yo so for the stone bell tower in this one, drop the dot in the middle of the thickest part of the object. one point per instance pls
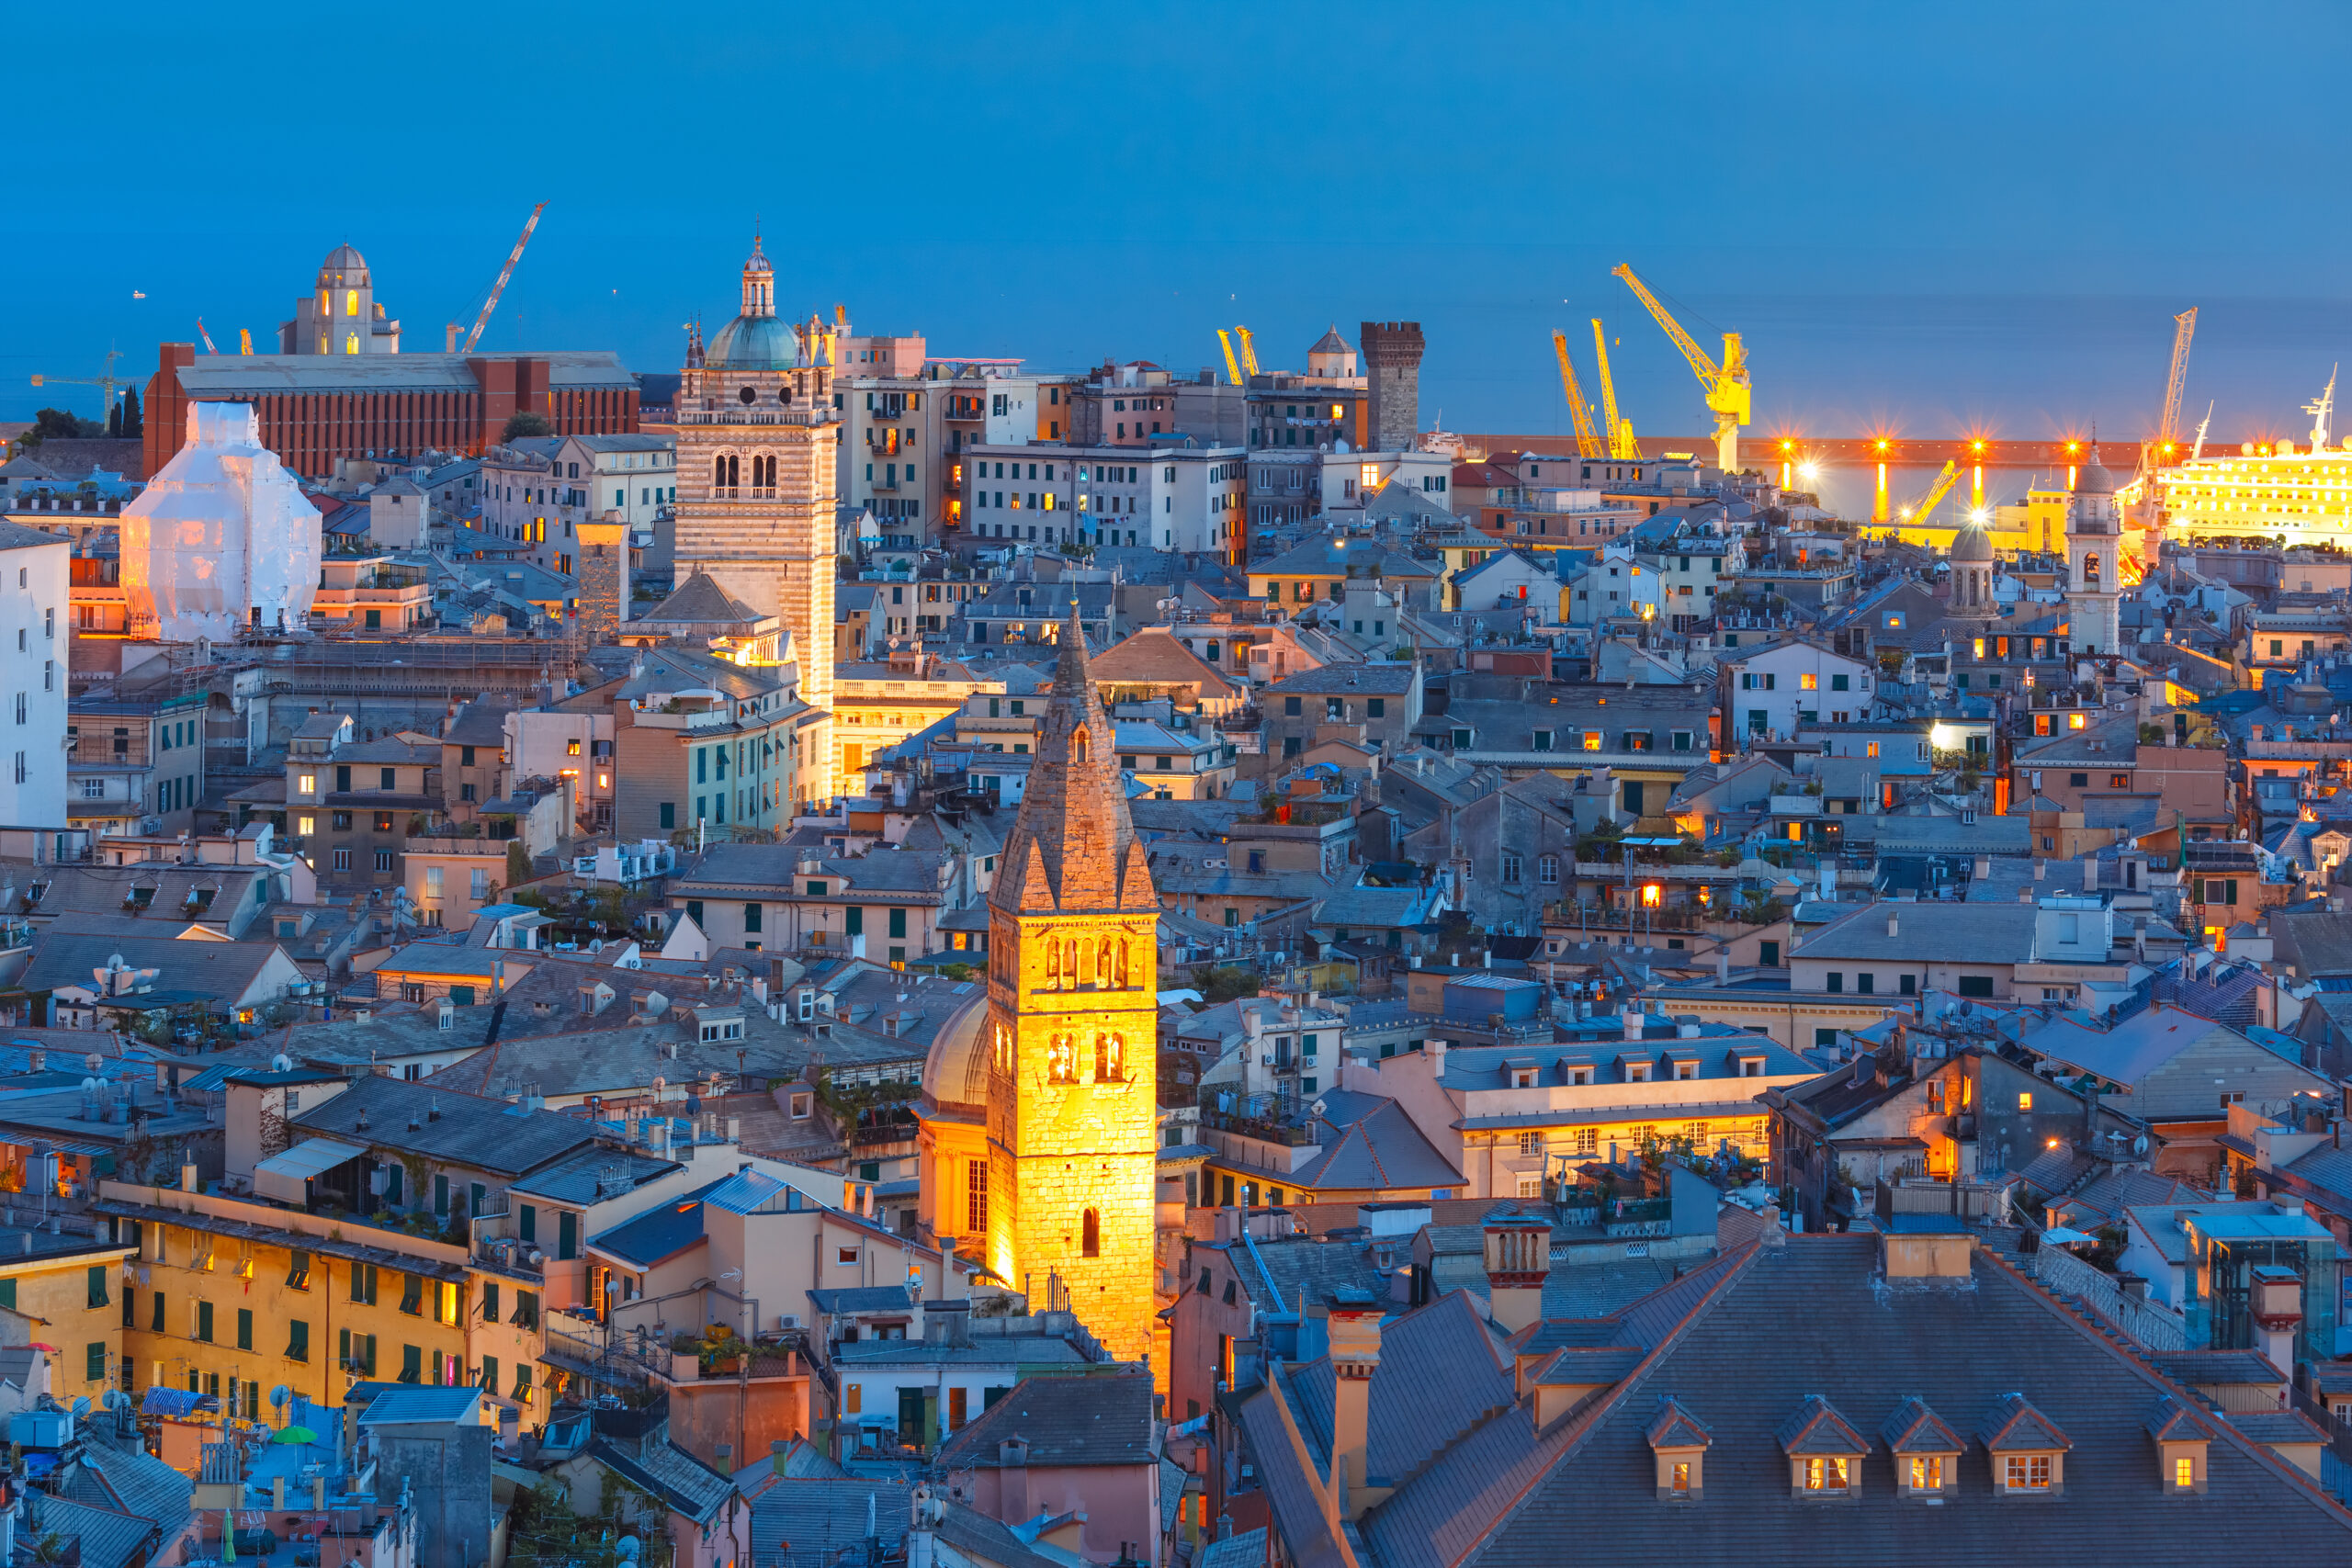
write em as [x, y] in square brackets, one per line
[2094, 582]
[1072, 1099]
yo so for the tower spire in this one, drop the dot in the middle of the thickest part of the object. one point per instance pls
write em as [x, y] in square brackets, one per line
[1073, 846]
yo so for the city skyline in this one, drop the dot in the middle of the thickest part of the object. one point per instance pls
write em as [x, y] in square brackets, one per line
[1062, 190]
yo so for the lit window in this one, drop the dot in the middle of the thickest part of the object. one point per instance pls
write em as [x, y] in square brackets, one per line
[351, 301]
[2075, 721]
[2184, 1474]
[1828, 1474]
[310, 786]
[1927, 1472]
[2025, 1472]
[2025, 1099]
[1809, 683]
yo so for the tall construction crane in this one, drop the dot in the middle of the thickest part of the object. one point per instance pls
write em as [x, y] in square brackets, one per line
[1622, 443]
[1588, 443]
[1726, 385]
[505, 272]
[2202, 425]
[1232, 365]
[245, 340]
[1248, 354]
[205, 335]
[109, 380]
[1917, 513]
[2184, 327]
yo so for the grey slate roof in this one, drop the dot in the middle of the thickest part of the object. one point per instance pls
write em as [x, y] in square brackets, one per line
[1065, 1421]
[821, 1515]
[689, 1487]
[489, 1135]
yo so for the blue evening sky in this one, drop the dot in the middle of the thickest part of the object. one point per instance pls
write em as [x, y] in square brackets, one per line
[1929, 216]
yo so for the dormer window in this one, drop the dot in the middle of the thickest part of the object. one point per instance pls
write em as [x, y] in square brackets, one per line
[1686, 1069]
[1581, 1077]
[1927, 1451]
[1679, 1442]
[1824, 1452]
[2181, 1438]
[1637, 1072]
[1522, 1077]
[2028, 1453]
[1751, 1066]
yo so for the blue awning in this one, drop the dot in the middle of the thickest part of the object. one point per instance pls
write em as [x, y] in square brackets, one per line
[176, 1402]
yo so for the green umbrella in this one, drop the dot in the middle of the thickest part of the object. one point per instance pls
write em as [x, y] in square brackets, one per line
[294, 1434]
[228, 1535]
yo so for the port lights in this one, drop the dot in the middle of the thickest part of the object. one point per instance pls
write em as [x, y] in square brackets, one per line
[1788, 446]
[1976, 446]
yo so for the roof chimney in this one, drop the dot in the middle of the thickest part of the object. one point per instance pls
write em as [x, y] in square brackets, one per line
[1519, 1255]
[1892, 917]
[1354, 1336]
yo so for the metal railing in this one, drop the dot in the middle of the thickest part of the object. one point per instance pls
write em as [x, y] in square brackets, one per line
[2154, 1324]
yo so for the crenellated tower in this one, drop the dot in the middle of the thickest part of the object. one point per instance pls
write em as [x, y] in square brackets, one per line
[1071, 1032]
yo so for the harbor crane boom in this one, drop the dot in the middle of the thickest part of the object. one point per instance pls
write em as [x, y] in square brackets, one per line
[1916, 514]
[1622, 443]
[205, 335]
[1726, 385]
[1588, 443]
[1232, 365]
[2184, 327]
[505, 272]
[1248, 354]
[109, 380]
[2202, 425]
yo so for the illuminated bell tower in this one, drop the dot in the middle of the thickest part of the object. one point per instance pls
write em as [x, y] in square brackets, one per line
[2094, 581]
[1072, 1025]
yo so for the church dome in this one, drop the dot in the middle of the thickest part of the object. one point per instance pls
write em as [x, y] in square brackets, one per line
[1330, 341]
[344, 268]
[1972, 545]
[2092, 478]
[956, 1072]
[754, 342]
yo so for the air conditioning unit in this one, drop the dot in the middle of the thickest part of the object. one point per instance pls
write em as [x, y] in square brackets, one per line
[787, 1320]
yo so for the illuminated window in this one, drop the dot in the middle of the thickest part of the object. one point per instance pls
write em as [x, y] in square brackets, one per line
[351, 301]
[2025, 1099]
[351, 342]
[1809, 683]
[1828, 1474]
[309, 783]
[1870, 749]
[1927, 1472]
[2184, 1474]
[306, 824]
[2075, 721]
[2025, 1472]
[1592, 740]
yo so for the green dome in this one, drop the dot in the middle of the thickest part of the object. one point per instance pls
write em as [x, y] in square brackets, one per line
[754, 342]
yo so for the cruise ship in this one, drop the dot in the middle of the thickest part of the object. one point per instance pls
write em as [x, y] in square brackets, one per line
[2301, 493]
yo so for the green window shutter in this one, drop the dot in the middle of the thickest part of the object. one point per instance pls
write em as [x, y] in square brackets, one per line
[897, 922]
[297, 1341]
[566, 1229]
[204, 1321]
[490, 1373]
[244, 1328]
[98, 1296]
[411, 1364]
[8, 1294]
[490, 1300]
[94, 1369]
[854, 920]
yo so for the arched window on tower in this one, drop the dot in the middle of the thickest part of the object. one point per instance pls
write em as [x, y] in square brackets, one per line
[1090, 1234]
[2090, 568]
[1110, 1058]
[1102, 964]
[1121, 980]
[1053, 965]
[1061, 1059]
[1078, 747]
[1069, 961]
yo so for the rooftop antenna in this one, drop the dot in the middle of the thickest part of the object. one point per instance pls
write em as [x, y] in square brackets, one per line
[2321, 409]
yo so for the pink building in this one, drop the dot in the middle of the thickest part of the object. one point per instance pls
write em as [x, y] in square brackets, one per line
[1072, 1459]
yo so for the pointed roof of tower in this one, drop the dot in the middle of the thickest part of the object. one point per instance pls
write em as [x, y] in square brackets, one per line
[1073, 846]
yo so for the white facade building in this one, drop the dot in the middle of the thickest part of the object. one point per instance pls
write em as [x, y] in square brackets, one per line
[221, 539]
[33, 589]
[1186, 498]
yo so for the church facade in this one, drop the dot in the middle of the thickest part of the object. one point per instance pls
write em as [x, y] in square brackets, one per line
[755, 511]
[1039, 1124]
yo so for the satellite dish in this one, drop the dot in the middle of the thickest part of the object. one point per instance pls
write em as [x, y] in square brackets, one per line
[279, 1395]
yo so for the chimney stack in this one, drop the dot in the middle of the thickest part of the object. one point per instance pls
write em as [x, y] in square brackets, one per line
[1519, 1256]
[1892, 917]
[1354, 1326]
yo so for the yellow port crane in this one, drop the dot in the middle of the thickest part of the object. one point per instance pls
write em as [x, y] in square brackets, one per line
[1917, 514]
[1232, 365]
[109, 380]
[245, 340]
[2184, 327]
[1622, 443]
[1248, 354]
[1726, 385]
[1588, 443]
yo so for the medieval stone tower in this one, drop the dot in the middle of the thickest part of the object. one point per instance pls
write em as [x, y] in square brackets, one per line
[1392, 358]
[1072, 1069]
[756, 483]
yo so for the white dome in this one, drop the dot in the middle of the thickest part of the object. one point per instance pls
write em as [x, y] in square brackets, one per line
[956, 1072]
